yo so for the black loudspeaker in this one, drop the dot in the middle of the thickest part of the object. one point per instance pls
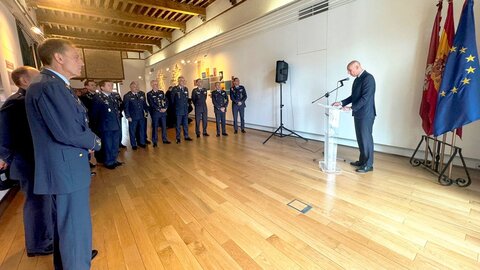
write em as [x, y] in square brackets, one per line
[281, 74]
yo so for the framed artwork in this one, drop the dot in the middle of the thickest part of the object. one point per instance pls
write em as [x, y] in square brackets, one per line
[228, 85]
[102, 64]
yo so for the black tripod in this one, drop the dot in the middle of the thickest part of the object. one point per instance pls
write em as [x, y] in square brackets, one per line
[279, 131]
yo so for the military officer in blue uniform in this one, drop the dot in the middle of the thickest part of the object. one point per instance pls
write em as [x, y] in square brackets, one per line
[86, 97]
[180, 102]
[238, 95]
[119, 102]
[136, 108]
[364, 112]
[62, 139]
[220, 103]
[199, 99]
[107, 110]
[16, 150]
[158, 104]
[145, 119]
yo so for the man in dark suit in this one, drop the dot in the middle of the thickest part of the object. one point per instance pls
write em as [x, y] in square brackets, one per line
[180, 102]
[16, 150]
[199, 100]
[158, 104]
[363, 111]
[238, 95]
[62, 139]
[220, 103]
[106, 109]
[136, 108]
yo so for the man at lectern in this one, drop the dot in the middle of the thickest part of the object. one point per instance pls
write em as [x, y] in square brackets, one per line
[363, 111]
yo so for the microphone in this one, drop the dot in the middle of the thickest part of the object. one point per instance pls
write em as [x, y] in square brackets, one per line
[342, 80]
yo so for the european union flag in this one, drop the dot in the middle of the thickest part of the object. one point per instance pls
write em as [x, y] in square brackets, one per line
[459, 95]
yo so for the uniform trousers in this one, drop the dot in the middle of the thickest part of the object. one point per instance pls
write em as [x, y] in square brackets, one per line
[220, 121]
[201, 116]
[159, 120]
[182, 120]
[72, 230]
[110, 146]
[236, 110]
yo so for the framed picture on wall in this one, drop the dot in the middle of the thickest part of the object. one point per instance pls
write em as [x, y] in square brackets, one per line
[206, 84]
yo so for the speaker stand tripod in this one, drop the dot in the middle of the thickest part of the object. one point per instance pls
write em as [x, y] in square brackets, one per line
[279, 131]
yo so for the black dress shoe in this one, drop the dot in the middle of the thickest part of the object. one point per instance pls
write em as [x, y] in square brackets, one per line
[177, 141]
[94, 253]
[356, 163]
[364, 169]
[224, 134]
[243, 131]
[142, 145]
[218, 135]
[198, 135]
[235, 132]
[188, 139]
[155, 144]
[92, 165]
[205, 134]
[47, 251]
[166, 142]
[111, 167]
[93, 173]
[122, 146]
[134, 148]
[118, 163]
[148, 142]
[8, 184]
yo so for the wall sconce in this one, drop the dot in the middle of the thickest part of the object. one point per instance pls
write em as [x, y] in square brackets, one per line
[36, 30]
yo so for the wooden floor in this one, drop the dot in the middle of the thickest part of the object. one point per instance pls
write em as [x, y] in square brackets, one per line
[221, 203]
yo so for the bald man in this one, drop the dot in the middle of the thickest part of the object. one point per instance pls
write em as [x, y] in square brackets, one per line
[363, 111]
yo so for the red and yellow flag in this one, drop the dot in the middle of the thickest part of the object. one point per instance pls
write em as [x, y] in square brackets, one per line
[429, 92]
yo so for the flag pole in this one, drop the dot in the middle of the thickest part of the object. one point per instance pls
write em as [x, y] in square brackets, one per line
[427, 144]
[434, 155]
[451, 152]
[442, 152]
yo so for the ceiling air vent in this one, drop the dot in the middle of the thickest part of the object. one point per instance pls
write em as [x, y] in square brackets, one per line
[313, 10]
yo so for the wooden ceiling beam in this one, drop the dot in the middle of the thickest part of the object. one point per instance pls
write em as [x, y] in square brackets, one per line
[95, 44]
[104, 13]
[53, 19]
[171, 6]
[100, 37]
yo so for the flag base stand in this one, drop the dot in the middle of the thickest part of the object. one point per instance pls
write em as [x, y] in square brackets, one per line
[433, 161]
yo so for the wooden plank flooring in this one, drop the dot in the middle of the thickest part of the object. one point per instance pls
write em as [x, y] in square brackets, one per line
[220, 203]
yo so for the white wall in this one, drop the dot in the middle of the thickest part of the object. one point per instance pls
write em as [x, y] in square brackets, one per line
[390, 39]
[9, 50]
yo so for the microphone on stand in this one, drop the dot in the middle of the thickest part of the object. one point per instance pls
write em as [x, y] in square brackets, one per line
[342, 80]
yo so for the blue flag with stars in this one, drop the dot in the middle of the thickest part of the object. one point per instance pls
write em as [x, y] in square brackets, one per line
[459, 95]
